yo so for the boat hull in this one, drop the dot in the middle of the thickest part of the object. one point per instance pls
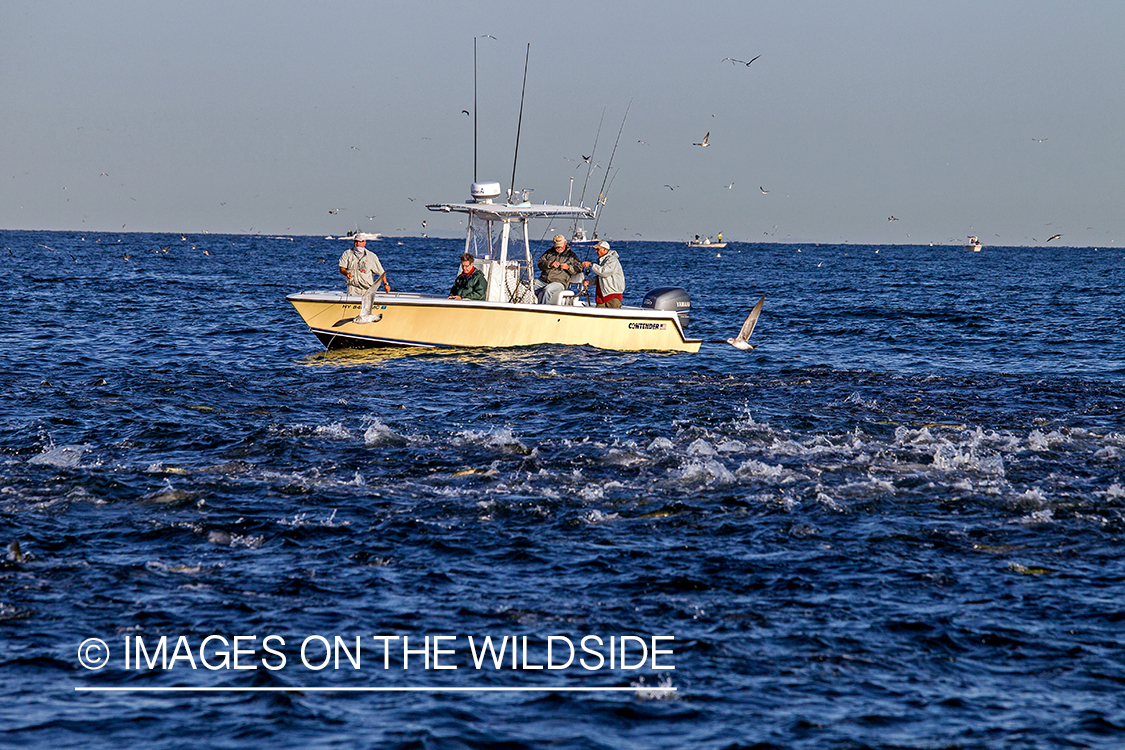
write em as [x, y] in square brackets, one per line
[413, 320]
[718, 245]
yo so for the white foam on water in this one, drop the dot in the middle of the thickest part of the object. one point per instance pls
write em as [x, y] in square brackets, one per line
[701, 447]
[334, 431]
[1109, 454]
[964, 457]
[501, 438]
[63, 456]
[661, 444]
[649, 693]
[873, 486]
[378, 433]
[755, 468]
[1038, 517]
[828, 503]
[708, 472]
[307, 519]
[1037, 441]
[905, 436]
[594, 517]
[1115, 492]
[855, 399]
[591, 492]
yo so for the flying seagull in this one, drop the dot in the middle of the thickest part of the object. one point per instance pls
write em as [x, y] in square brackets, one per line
[670, 187]
[465, 112]
[1053, 237]
[1038, 140]
[704, 144]
[733, 61]
[764, 191]
[742, 340]
[892, 218]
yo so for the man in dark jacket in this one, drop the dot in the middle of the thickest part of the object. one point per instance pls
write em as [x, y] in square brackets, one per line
[556, 267]
[470, 283]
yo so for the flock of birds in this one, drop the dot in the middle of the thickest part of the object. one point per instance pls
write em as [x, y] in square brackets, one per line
[586, 160]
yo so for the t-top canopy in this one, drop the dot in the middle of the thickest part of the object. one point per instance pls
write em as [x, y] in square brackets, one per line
[505, 212]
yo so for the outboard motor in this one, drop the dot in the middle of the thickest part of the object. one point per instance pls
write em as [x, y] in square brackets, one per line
[670, 298]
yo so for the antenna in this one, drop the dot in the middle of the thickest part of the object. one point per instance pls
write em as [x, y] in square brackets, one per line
[474, 109]
[519, 125]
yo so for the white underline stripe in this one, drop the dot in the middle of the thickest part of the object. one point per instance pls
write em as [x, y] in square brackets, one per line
[410, 689]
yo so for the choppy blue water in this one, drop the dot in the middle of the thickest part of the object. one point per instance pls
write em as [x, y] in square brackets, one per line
[898, 523]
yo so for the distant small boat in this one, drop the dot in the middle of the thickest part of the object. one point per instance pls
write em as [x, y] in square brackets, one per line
[581, 238]
[973, 244]
[707, 242]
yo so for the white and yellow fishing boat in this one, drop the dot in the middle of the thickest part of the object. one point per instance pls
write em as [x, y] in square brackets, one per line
[512, 314]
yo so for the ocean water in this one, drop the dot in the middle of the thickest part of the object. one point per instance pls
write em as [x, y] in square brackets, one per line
[897, 523]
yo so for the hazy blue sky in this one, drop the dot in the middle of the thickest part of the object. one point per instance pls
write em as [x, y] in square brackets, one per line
[263, 116]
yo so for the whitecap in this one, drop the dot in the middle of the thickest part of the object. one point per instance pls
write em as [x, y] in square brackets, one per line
[708, 472]
[650, 692]
[856, 399]
[827, 502]
[63, 456]
[594, 516]
[755, 468]
[335, 430]
[1115, 492]
[306, 519]
[1039, 442]
[501, 438]
[1037, 517]
[701, 447]
[904, 435]
[731, 446]
[661, 444]
[378, 433]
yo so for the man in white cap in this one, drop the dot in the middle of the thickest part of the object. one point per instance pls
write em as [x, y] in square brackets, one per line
[610, 279]
[362, 268]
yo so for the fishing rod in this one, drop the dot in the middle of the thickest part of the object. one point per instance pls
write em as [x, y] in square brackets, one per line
[474, 109]
[519, 126]
[589, 170]
[602, 195]
[602, 199]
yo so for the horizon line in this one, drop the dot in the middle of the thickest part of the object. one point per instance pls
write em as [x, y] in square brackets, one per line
[372, 689]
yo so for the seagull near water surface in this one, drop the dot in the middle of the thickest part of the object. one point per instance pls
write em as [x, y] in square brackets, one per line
[742, 340]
